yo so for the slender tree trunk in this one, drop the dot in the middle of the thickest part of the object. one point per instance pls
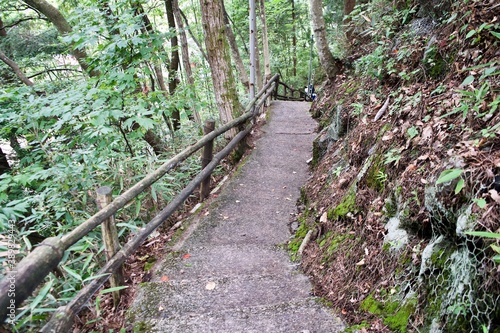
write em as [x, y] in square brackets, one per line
[3, 32]
[4, 164]
[235, 52]
[58, 20]
[15, 68]
[265, 43]
[294, 39]
[348, 7]
[220, 61]
[173, 81]
[258, 69]
[185, 53]
[193, 37]
[328, 62]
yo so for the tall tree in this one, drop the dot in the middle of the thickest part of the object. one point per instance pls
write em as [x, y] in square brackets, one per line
[235, 51]
[220, 61]
[330, 65]
[185, 53]
[265, 42]
[173, 81]
[294, 39]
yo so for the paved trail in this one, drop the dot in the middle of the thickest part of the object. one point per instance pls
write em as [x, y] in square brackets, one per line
[237, 277]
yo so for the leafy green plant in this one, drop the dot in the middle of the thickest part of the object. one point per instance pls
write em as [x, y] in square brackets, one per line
[449, 175]
[392, 156]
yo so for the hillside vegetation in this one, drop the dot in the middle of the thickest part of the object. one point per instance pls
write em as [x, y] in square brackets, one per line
[406, 165]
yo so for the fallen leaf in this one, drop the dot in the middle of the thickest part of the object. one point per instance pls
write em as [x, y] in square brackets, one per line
[164, 278]
[323, 218]
[186, 256]
[494, 195]
[373, 99]
[427, 133]
[210, 286]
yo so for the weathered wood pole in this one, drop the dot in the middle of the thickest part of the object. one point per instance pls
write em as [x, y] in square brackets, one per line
[110, 238]
[208, 127]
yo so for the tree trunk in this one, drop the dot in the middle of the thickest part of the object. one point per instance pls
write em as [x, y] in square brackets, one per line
[348, 7]
[3, 32]
[294, 40]
[235, 52]
[220, 61]
[193, 37]
[58, 20]
[174, 62]
[265, 43]
[4, 164]
[328, 62]
[185, 53]
[15, 68]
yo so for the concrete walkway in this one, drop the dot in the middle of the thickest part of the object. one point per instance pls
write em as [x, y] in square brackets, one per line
[232, 274]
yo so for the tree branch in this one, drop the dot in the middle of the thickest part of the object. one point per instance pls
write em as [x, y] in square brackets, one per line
[15, 67]
[55, 70]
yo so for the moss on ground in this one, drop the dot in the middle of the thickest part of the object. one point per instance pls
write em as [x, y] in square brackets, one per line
[346, 205]
[395, 313]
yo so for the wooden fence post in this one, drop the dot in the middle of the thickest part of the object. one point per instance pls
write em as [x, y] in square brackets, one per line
[110, 238]
[208, 127]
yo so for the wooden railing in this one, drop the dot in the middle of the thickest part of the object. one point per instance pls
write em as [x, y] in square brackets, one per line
[32, 270]
[287, 93]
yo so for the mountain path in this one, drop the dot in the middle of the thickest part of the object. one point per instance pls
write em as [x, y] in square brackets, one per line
[231, 272]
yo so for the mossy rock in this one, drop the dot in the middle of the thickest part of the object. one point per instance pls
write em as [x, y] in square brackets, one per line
[376, 176]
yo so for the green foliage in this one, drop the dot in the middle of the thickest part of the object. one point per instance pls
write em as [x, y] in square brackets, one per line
[394, 312]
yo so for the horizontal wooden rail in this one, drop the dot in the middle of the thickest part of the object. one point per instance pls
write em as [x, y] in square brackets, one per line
[296, 94]
[33, 269]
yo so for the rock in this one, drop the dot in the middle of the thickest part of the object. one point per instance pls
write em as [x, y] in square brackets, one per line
[328, 135]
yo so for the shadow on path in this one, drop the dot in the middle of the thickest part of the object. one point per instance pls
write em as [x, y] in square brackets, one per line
[231, 274]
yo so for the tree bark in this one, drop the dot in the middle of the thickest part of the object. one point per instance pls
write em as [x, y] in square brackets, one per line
[185, 53]
[235, 51]
[328, 62]
[348, 8]
[54, 15]
[265, 43]
[174, 62]
[220, 61]
[193, 37]
[3, 32]
[294, 40]
[15, 68]
[4, 164]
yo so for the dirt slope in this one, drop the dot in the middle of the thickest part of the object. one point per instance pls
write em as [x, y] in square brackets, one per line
[408, 162]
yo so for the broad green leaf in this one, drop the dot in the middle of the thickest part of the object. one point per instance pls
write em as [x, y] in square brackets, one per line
[470, 34]
[468, 80]
[481, 203]
[449, 175]
[460, 185]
